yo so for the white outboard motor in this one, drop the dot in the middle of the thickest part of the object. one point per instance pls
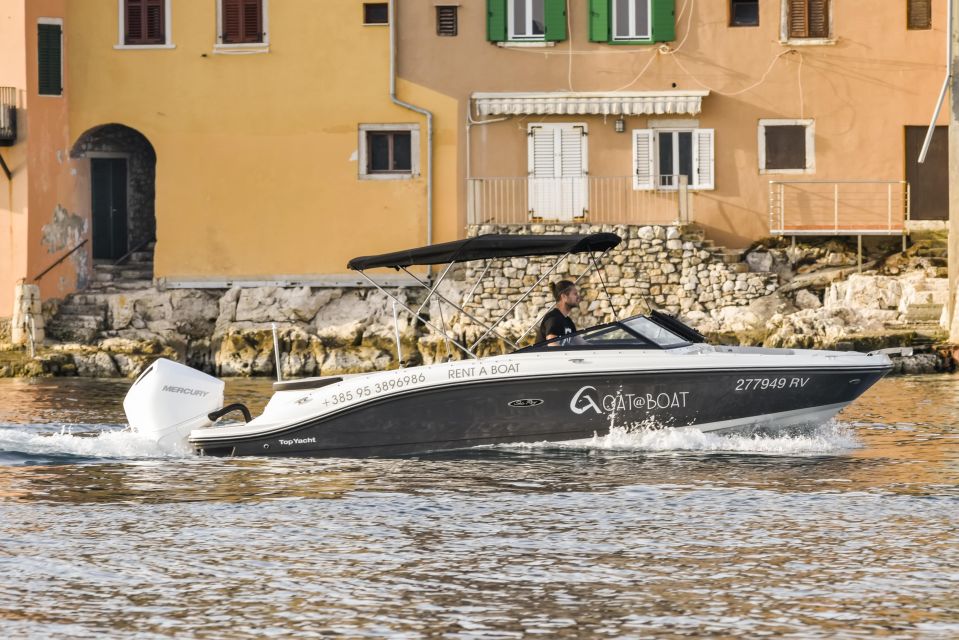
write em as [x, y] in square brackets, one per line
[169, 400]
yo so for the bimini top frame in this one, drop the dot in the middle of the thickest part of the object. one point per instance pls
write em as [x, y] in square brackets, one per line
[487, 248]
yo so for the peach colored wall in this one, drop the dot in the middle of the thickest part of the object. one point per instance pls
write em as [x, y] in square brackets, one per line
[57, 221]
[862, 90]
[13, 193]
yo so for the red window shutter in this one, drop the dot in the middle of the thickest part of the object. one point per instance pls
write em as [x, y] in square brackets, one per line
[155, 27]
[242, 21]
[133, 14]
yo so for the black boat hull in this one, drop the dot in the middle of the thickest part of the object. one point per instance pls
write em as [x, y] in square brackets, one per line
[558, 408]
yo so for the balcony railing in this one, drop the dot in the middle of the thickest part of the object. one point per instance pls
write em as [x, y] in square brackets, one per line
[8, 116]
[846, 207]
[592, 199]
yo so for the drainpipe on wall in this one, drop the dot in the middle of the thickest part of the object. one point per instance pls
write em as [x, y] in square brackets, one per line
[429, 124]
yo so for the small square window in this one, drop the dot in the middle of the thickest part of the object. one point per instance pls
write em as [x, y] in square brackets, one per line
[376, 13]
[787, 146]
[744, 13]
[389, 152]
[446, 21]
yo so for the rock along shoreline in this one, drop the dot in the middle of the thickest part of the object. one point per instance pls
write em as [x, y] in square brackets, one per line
[809, 295]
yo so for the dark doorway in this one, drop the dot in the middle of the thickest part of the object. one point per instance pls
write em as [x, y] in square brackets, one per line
[928, 182]
[109, 187]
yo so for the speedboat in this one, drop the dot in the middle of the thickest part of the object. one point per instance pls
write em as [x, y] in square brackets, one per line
[645, 371]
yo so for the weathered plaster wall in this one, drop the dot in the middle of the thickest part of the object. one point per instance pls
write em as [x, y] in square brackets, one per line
[59, 212]
[862, 90]
[13, 193]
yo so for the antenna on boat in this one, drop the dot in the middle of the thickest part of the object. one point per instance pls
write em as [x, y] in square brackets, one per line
[276, 354]
[396, 331]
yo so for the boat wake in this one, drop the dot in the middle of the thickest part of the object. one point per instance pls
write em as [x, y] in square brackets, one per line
[830, 438]
[76, 442]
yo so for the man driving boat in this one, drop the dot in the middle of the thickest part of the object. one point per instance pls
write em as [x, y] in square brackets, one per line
[557, 322]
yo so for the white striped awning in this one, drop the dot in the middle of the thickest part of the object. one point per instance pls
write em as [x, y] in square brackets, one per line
[627, 103]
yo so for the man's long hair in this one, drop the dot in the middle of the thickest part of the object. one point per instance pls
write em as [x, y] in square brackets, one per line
[561, 287]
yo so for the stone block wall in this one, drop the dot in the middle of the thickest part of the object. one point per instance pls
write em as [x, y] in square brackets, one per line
[669, 266]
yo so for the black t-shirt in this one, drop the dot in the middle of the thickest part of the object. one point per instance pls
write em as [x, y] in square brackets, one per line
[554, 323]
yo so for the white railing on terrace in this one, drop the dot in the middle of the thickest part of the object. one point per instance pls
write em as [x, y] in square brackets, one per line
[592, 199]
[844, 207]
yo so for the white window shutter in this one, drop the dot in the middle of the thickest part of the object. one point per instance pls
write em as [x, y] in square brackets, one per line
[643, 167]
[572, 153]
[704, 159]
[541, 152]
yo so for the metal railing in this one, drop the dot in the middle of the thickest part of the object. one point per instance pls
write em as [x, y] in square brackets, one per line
[841, 207]
[592, 199]
[8, 116]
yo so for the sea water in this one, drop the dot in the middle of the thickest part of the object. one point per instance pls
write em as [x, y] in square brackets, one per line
[847, 530]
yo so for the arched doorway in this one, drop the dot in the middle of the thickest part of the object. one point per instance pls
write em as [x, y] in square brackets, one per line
[122, 189]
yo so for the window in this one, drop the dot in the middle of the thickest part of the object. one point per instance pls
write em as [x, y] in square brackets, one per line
[241, 22]
[144, 24]
[661, 156]
[526, 20]
[786, 146]
[388, 151]
[919, 14]
[807, 19]
[632, 21]
[744, 13]
[376, 13]
[446, 20]
[50, 57]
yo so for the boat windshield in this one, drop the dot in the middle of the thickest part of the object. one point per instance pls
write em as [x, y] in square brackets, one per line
[638, 332]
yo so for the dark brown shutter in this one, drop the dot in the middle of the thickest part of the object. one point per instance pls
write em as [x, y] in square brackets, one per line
[818, 18]
[919, 14]
[446, 23]
[242, 21]
[808, 18]
[145, 22]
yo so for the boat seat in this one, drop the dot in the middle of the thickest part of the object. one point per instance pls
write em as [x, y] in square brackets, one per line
[305, 383]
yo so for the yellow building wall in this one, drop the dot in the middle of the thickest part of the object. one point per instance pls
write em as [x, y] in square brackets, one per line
[257, 153]
[13, 193]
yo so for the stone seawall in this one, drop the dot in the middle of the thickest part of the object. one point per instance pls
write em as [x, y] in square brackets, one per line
[791, 297]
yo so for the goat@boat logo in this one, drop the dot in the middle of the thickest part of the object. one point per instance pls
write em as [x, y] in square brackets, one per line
[526, 402]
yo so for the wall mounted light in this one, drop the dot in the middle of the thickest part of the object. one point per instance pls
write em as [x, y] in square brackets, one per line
[619, 125]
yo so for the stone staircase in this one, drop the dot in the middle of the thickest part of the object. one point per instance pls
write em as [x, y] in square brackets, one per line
[731, 257]
[83, 315]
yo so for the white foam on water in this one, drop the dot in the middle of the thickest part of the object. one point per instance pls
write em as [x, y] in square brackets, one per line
[112, 443]
[832, 437]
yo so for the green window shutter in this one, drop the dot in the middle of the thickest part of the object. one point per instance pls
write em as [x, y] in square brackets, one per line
[555, 20]
[664, 20]
[496, 17]
[599, 21]
[49, 54]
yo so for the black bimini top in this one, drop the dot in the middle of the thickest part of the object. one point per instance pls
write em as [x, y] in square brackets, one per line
[489, 246]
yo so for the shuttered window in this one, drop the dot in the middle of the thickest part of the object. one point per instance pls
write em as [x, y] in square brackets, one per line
[660, 157]
[242, 21]
[50, 59]
[526, 20]
[632, 21]
[919, 14]
[144, 22]
[787, 146]
[808, 18]
[446, 20]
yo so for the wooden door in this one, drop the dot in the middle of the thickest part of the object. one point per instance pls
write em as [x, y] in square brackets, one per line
[928, 182]
[109, 189]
